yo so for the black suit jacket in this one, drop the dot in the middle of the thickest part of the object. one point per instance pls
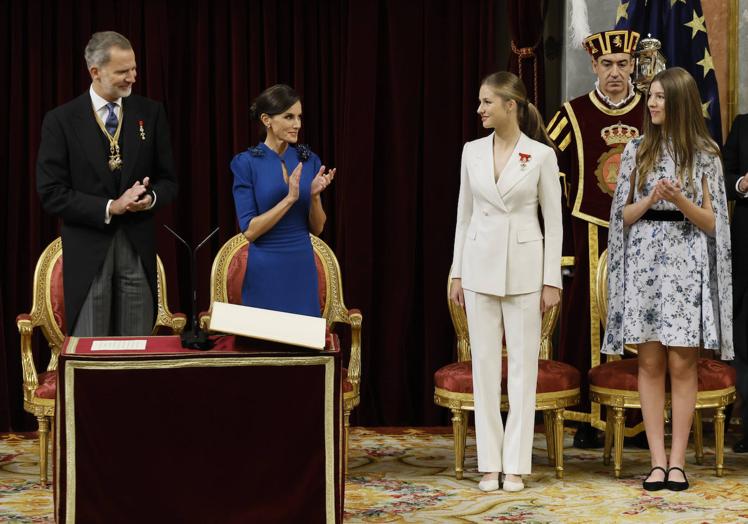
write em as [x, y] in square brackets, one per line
[735, 153]
[75, 184]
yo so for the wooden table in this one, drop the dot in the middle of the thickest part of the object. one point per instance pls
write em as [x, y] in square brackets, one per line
[166, 434]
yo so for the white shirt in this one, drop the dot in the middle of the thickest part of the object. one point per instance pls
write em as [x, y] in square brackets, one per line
[615, 105]
[100, 106]
[737, 188]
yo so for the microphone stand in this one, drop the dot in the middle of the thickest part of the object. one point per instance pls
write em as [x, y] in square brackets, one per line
[195, 338]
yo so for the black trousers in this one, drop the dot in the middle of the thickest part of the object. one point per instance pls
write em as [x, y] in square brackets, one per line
[740, 335]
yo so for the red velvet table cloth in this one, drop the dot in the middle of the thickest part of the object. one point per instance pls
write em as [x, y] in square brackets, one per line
[167, 434]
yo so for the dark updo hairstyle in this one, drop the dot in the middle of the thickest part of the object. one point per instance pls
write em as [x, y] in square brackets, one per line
[273, 101]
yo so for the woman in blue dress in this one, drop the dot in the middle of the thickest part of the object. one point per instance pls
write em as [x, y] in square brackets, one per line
[277, 188]
[669, 270]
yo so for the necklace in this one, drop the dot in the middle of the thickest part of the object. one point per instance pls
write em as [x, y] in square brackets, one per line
[115, 159]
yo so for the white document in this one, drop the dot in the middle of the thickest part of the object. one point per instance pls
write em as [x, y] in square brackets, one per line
[276, 326]
[115, 345]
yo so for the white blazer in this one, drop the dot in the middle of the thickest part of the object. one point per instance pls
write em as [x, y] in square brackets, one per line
[499, 248]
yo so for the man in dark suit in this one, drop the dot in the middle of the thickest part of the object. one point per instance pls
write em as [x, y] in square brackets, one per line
[736, 183]
[104, 167]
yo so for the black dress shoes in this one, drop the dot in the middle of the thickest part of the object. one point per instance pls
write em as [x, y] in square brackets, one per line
[673, 485]
[741, 446]
[586, 437]
[655, 485]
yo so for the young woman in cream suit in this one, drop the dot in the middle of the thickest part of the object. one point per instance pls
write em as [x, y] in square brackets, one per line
[506, 269]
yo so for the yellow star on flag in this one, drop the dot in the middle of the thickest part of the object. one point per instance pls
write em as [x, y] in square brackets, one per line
[622, 12]
[696, 25]
[707, 63]
[705, 109]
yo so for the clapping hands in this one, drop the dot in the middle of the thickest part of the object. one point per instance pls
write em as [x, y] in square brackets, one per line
[665, 190]
[322, 180]
[293, 183]
[133, 199]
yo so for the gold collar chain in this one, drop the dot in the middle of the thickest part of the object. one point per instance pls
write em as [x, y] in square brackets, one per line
[115, 160]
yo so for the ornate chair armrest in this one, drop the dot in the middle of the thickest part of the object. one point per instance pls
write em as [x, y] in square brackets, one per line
[204, 319]
[548, 326]
[459, 322]
[179, 321]
[30, 376]
[176, 322]
[355, 318]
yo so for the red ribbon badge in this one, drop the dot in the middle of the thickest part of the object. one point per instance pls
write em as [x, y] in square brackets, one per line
[524, 158]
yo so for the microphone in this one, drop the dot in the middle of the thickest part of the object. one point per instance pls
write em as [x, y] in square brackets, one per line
[194, 338]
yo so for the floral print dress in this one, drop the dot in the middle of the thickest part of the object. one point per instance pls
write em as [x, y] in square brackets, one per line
[669, 281]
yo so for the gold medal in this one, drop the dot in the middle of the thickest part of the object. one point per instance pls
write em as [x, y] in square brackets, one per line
[115, 162]
[115, 159]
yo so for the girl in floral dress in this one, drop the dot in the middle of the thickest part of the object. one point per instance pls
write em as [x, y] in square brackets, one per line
[669, 272]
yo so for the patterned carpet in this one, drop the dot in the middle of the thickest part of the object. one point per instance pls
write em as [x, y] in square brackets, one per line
[22, 499]
[410, 478]
[406, 475]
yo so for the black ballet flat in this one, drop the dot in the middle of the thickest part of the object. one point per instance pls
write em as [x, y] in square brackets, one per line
[655, 485]
[673, 485]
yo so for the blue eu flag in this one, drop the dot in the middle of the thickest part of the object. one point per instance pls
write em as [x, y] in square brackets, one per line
[680, 26]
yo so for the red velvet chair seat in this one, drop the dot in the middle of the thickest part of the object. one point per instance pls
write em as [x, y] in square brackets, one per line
[623, 374]
[552, 376]
[456, 377]
[715, 374]
[618, 374]
[47, 385]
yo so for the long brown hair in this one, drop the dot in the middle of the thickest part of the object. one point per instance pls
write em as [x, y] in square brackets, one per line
[509, 87]
[683, 132]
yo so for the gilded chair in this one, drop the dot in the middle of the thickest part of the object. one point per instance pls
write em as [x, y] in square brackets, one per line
[614, 384]
[226, 279]
[48, 314]
[557, 389]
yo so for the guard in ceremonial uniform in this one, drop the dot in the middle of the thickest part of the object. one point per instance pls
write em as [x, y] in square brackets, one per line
[590, 133]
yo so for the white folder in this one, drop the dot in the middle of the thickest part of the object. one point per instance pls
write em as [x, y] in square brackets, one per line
[265, 324]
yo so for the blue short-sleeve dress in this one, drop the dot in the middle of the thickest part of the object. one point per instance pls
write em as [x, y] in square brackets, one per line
[281, 272]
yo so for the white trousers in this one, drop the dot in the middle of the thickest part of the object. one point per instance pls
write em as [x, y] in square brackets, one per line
[499, 449]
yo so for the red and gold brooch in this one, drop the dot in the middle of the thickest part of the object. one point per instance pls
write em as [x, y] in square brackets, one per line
[524, 158]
